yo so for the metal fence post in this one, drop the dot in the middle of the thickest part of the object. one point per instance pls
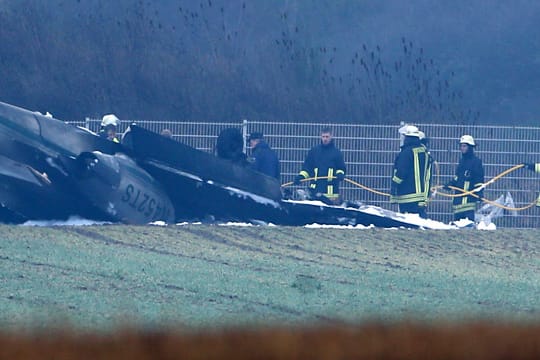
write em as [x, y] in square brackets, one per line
[370, 151]
[245, 134]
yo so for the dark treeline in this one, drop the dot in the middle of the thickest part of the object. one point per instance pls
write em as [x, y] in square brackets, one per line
[218, 60]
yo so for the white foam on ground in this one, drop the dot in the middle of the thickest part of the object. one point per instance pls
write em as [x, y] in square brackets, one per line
[483, 226]
[236, 224]
[71, 221]
[323, 226]
[464, 223]
[413, 219]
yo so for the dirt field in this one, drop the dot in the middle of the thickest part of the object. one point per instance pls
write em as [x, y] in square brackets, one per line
[203, 279]
[400, 341]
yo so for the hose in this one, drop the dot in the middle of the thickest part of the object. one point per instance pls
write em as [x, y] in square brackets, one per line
[435, 188]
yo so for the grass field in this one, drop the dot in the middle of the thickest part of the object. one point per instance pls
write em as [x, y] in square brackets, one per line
[99, 278]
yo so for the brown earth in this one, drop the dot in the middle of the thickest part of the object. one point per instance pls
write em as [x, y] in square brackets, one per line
[268, 293]
[400, 341]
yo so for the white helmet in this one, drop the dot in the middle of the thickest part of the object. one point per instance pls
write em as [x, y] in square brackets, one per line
[110, 119]
[412, 130]
[467, 139]
[406, 130]
[409, 130]
[421, 135]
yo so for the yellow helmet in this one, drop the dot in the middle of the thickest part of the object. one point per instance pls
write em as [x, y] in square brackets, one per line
[467, 139]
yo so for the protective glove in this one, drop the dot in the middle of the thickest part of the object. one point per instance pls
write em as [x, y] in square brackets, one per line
[530, 166]
[297, 179]
[340, 176]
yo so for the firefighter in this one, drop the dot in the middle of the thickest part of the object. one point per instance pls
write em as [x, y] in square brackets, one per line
[536, 168]
[324, 160]
[469, 175]
[411, 174]
[424, 140]
[230, 146]
[109, 126]
[533, 166]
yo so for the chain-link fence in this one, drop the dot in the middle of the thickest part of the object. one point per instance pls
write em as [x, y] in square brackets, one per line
[369, 152]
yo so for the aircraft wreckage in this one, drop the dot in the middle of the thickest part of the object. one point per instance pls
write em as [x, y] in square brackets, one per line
[53, 170]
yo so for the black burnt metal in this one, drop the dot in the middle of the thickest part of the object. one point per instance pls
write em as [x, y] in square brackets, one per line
[53, 170]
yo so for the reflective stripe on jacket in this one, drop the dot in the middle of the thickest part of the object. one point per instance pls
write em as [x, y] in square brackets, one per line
[469, 175]
[324, 161]
[411, 173]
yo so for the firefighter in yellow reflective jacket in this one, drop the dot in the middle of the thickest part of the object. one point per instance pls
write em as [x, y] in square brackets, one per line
[469, 175]
[536, 168]
[411, 174]
[324, 160]
[431, 162]
[109, 126]
[533, 167]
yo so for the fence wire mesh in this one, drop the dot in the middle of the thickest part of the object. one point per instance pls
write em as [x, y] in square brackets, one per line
[369, 152]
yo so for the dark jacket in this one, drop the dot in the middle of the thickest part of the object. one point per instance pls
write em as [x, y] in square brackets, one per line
[469, 175]
[265, 160]
[324, 160]
[411, 173]
[230, 146]
[429, 177]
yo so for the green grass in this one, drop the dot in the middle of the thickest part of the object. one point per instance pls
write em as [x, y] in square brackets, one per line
[104, 277]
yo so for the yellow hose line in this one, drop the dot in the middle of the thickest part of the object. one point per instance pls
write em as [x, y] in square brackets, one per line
[347, 180]
[528, 206]
[509, 208]
[475, 190]
[434, 188]
[307, 179]
[366, 188]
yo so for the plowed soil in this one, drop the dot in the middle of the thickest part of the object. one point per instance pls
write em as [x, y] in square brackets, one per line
[300, 290]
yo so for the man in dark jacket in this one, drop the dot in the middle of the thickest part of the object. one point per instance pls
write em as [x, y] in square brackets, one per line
[230, 146]
[532, 166]
[264, 158]
[324, 160]
[536, 168]
[469, 175]
[411, 174]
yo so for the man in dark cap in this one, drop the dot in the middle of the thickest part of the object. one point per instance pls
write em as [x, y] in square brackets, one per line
[264, 158]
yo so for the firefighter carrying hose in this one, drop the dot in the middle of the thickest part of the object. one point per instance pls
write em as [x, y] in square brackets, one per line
[533, 166]
[469, 175]
[536, 168]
